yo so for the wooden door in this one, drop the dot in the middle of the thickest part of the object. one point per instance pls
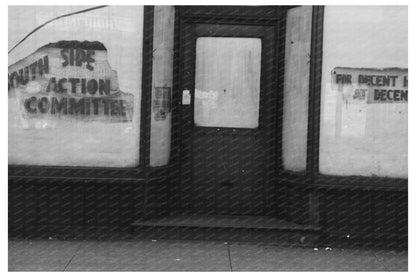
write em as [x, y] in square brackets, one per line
[228, 119]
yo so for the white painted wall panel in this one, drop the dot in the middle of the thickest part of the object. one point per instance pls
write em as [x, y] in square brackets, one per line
[163, 38]
[296, 88]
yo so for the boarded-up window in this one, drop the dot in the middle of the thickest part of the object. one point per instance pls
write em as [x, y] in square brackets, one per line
[75, 86]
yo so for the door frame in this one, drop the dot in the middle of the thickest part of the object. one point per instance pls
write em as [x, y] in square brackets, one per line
[237, 15]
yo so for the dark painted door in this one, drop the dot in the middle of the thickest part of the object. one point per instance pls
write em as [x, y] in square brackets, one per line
[228, 119]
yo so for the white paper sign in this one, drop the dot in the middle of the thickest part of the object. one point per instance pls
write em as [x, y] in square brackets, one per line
[186, 97]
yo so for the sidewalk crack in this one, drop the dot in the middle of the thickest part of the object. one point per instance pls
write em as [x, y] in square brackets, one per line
[229, 257]
[381, 261]
[73, 256]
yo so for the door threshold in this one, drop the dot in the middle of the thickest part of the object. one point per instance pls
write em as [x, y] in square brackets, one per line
[226, 228]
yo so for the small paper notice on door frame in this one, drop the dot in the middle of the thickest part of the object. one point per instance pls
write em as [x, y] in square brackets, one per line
[186, 97]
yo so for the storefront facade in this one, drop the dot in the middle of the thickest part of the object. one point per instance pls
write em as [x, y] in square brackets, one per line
[119, 114]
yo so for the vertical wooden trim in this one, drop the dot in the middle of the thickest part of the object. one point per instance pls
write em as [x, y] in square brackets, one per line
[147, 67]
[176, 128]
[278, 80]
[280, 38]
[314, 110]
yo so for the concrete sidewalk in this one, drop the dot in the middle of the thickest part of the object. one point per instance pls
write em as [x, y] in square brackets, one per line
[164, 255]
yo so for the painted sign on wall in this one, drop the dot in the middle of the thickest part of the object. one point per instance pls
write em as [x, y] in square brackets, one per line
[69, 79]
[373, 85]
